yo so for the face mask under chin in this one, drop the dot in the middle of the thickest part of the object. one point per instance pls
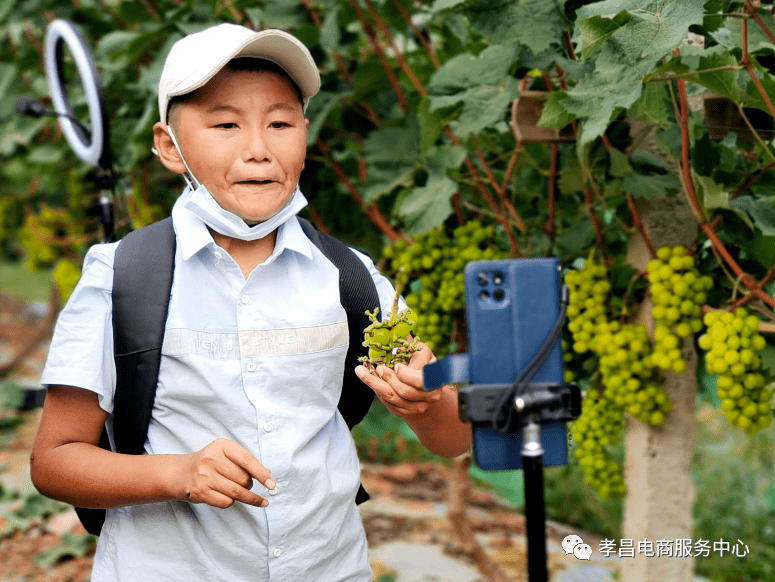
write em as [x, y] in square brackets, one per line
[204, 205]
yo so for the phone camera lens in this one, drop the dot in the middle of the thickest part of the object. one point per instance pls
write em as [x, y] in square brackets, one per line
[499, 294]
[497, 278]
[482, 278]
[484, 295]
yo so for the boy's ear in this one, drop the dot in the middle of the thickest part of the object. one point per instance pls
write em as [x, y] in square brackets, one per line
[168, 153]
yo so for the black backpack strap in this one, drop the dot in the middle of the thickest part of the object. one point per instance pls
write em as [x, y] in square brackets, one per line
[357, 294]
[142, 282]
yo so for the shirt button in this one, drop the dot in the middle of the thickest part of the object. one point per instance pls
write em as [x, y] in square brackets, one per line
[251, 367]
[277, 552]
[245, 299]
[218, 255]
[268, 427]
[273, 491]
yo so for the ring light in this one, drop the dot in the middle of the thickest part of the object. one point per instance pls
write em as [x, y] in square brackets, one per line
[93, 149]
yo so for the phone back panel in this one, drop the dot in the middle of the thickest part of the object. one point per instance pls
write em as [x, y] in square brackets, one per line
[511, 306]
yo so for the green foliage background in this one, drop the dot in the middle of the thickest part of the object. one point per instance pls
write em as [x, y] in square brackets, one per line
[412, 128]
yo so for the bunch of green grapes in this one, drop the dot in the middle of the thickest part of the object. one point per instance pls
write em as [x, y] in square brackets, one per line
[626, 369]
[732, 343]
[587, 304]
[678, 292]
[435, 264]
[598, 428]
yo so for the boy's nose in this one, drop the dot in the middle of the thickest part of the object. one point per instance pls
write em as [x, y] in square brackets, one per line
[256, 148]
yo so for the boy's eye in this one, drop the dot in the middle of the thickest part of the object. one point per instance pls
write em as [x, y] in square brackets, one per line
[227, 125]
[279, 124]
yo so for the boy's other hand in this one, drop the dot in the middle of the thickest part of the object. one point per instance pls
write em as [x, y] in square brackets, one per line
[402, 389]
[222, 473]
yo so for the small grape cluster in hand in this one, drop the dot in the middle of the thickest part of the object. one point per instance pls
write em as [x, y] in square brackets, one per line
[388, 341]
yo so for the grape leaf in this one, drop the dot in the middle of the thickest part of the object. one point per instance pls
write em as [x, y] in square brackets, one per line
[329, 32]
[655, 28]
[391, 158]
[760, 210]
[441, 5]
[651, 106]
[760, 248]
[553, 113]
[756, 100]
[441, 159]
[648, 186]
[535, 23]
[425, 208]
[698, 59]
[598, 97]
[480, 83]
[596, 30]
[620, 165]
[318, 109]
[731, 35]
[578, 236]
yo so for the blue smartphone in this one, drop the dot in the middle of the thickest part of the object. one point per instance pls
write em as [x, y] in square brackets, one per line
[511, 307]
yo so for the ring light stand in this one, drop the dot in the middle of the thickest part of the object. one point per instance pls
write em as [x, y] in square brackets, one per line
[93, 147]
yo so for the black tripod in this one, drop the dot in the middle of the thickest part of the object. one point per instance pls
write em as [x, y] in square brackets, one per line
[535, 515]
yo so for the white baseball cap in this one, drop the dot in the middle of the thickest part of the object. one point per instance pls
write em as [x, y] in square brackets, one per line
[196, 58]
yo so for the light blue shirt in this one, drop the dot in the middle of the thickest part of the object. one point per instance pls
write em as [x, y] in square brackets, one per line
[258, 361]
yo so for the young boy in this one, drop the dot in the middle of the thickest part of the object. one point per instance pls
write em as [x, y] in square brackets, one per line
[249, 471]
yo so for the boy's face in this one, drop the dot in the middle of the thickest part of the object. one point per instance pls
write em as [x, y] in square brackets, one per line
[244, 136]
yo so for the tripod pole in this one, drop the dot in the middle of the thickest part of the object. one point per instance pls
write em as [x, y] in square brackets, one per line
[535, 516]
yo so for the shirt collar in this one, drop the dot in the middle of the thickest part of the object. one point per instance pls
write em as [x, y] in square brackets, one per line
[193, 235]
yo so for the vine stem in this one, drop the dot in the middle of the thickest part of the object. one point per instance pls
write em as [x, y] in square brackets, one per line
[694, 73]
[552, 186]
[746, 61]
[398, 54]
[750, 297]
[152, 10]
[370, 113]
[510, 168]
[420, 36]
[695, 203]
[596, 224]
[639, 224]
[380, 50]
[372, 210]
[752, 12]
